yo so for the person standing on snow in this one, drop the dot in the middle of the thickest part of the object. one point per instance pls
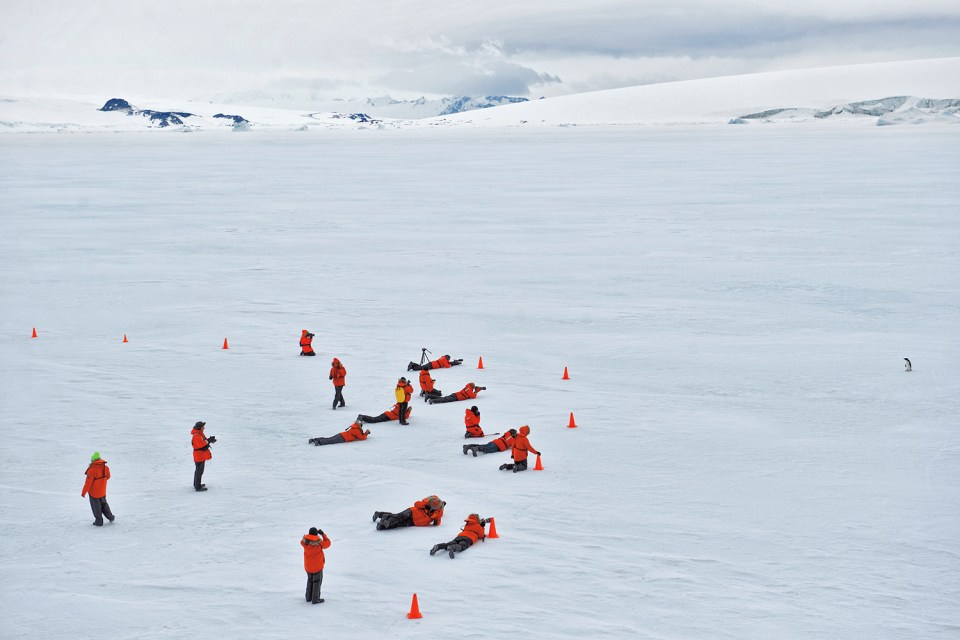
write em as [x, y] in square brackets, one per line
[339, 376]
[521, 445]
[403, 392]
[96, 485]
[306, 344]
[313, 560]
[469, 534]
[201, 453]
[502, 443]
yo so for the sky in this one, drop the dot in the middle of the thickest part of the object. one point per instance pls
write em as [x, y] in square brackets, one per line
[208, 48]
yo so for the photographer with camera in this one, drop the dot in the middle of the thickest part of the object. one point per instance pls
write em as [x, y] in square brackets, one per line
[467, 393]
[443, 362]
[306, 343]
[353, 432]
[472, 531]
[313, 559]
[428, 511]
[201, 453]
[338, 374]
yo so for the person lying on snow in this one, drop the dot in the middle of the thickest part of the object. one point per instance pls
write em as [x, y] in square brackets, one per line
[502, 443]
[471, 532]
[423, 512]
[353, 432]
[386, 416]
[471, 420]
[427, 389]
[443, 362]
[469, 392]
[521, 445]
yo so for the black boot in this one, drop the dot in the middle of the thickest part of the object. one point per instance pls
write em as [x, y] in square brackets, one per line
[473, 448]
[465, 447]
[436, 548]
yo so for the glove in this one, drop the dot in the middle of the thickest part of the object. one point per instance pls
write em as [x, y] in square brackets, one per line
[320, 531]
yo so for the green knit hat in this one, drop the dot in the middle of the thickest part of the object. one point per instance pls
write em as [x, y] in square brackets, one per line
[95, 456]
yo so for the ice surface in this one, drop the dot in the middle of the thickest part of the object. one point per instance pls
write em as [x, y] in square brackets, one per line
[733, 305]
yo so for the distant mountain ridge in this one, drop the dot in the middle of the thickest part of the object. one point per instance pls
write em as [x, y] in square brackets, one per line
[376, 107]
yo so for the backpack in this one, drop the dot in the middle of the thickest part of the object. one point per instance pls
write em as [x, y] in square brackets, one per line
[400, 394]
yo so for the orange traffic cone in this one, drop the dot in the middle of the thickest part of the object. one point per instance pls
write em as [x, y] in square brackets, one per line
[125, 338]
[493, 529]
[572, 425]
[414, 609]
[34, 333]
[480, 364]
[539, 465]
[225, 345]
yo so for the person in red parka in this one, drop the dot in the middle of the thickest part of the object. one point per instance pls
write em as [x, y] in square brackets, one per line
[427, 389]
[306, 343]
[502, 443]
[313, 560]
[339, 376]
[443, 362]
[388, 415]
[428, 511]
[471, 420]
[403, 392]
[353, 432]
[469, 534]
[96, 485]
[201, 453]
[521, 445]
[469, 392]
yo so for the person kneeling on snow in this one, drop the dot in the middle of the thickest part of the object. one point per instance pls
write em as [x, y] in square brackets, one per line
[521, 445]
[467, 393]
[386, 416]
[471, 532]
[427, 389]
[471, 420]
[353, 432]
[502, 443]
[423, 512]
[306, 343]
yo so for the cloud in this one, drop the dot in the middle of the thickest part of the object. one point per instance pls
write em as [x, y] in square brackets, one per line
[436, 47]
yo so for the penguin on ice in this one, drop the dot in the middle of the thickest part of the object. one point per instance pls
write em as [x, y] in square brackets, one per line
[908, 366]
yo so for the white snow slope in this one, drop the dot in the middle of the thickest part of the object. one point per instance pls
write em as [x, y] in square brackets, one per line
[717, 100]
[733, 304]
[709, 101]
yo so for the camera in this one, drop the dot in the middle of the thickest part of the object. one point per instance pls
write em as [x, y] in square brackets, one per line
[309, 335]
[211, 439]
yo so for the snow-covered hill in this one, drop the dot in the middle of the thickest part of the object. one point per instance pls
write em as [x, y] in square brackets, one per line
[921, 91]
[718, 100]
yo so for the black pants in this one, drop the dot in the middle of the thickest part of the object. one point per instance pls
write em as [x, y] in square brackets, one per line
[338, 397]
[337, 439]
[100, 508]
[413, 366]
[403, 412]
[373, 419]
[198, 474]
[458, 544]
[314, 580]
[308, 354]
[516, 466]
[450, 398]
[395, 520]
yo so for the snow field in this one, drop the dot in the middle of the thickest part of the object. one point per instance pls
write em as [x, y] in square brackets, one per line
[733, 305]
